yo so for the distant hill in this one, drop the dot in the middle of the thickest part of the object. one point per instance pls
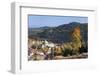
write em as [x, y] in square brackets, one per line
[59, 34]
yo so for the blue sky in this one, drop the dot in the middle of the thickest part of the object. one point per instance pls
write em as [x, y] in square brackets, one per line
[35, 21]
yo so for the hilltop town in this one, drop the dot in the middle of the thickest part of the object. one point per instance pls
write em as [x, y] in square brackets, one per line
[46, 49]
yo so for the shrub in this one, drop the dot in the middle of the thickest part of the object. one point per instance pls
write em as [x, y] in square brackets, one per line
[83, 49]
[67, 52]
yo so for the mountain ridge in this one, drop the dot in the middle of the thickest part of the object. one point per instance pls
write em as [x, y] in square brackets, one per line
[59, 34]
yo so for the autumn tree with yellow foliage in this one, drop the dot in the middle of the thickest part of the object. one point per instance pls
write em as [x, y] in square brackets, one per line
[76, 39]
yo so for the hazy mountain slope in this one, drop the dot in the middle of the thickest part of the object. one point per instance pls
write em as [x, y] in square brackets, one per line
[59, 34]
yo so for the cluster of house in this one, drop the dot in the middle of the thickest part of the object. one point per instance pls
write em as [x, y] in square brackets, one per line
[40, 49]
